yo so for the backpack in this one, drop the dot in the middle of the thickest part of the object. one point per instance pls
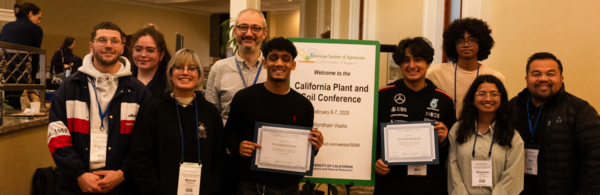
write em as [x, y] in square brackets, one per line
[44, 181]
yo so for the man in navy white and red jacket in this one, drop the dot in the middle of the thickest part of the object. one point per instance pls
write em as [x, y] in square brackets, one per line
[91, 118]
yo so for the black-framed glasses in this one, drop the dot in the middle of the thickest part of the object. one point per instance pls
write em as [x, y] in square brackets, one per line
[493, 94]
[470, 41]
[244, 28]
[103, 40]
[191, 70]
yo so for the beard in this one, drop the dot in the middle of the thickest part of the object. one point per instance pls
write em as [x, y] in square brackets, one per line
[104, 62]
[250, 48]
[543, 95]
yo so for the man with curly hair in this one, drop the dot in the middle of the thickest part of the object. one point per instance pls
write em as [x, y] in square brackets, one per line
[466, 42]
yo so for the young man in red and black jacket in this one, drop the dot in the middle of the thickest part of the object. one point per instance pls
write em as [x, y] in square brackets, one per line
[414, 98]
[91, 119]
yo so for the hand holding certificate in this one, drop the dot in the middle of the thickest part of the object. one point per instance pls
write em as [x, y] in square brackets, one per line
[284, 149]
[409, 143]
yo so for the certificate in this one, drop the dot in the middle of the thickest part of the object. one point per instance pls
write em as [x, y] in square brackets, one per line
[285, 149]
[409, 143]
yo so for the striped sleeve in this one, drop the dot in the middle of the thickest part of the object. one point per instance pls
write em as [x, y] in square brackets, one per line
[66, 118]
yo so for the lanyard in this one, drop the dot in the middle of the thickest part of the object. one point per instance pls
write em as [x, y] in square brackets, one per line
[181, 129]
[491, 145]
[242, 75]
[102, 114]
[455, 69]
[532, 129]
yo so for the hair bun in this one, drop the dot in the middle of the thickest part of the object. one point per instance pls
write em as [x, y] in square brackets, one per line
[17, 8]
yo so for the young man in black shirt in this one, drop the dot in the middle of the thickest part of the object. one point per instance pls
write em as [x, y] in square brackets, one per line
[269, 102]
[414, 98]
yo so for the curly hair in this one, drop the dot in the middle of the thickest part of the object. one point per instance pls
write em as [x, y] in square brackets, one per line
[419, 47]
[281, 44]
[503, 133]
[477, 28]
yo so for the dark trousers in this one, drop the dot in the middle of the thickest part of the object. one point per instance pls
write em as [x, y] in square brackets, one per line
[249, 187]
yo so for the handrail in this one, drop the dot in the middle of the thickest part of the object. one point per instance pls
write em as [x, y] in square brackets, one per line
[11, 81]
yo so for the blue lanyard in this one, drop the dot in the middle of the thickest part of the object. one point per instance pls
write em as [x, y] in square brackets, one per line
[102, 114]
[455, 69]
[242, 75]
[491, 145]
[532, 129]
[181, 129]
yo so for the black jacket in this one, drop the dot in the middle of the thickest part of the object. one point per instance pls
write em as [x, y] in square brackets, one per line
[398, 103]
[156, 145]
[22, 32]
[568, 137]
[61, 56]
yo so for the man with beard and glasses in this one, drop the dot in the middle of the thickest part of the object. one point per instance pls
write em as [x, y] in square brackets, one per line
[561, 132]
[232, 74]
[270, 102]
[91, 119]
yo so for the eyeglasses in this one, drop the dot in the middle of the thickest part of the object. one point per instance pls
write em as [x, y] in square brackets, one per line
[471, 41]
[191, 70]
[482, 95]
[102, 41]
[244, 28]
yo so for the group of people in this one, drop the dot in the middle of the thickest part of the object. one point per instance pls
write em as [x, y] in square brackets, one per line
[119, 128]
[543, 141]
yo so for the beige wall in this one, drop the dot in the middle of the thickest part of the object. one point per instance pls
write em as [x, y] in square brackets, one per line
[284, 24]
[22, 152]
[568, 29]
[396, 20]
[63, 18]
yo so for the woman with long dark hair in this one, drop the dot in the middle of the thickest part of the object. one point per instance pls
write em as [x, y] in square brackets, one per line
[486, 155]
[63, 58]
[150, 56]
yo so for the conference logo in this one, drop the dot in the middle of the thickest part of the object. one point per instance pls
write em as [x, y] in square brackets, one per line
[305, 56]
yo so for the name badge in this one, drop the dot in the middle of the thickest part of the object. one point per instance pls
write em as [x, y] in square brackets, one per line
[420, 170]
[99, 141]
[531, 156]
[189, 179]
[481, 173]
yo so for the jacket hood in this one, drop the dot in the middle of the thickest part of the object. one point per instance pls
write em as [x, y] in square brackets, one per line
[429, 88]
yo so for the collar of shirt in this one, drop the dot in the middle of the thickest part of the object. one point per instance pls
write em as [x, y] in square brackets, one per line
[490, 129]
[244, 64]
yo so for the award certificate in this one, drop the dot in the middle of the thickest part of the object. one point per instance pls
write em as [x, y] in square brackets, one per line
[285, 149]
[409, 143]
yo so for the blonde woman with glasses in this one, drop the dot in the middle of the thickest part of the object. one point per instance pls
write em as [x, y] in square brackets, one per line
[177, 139]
